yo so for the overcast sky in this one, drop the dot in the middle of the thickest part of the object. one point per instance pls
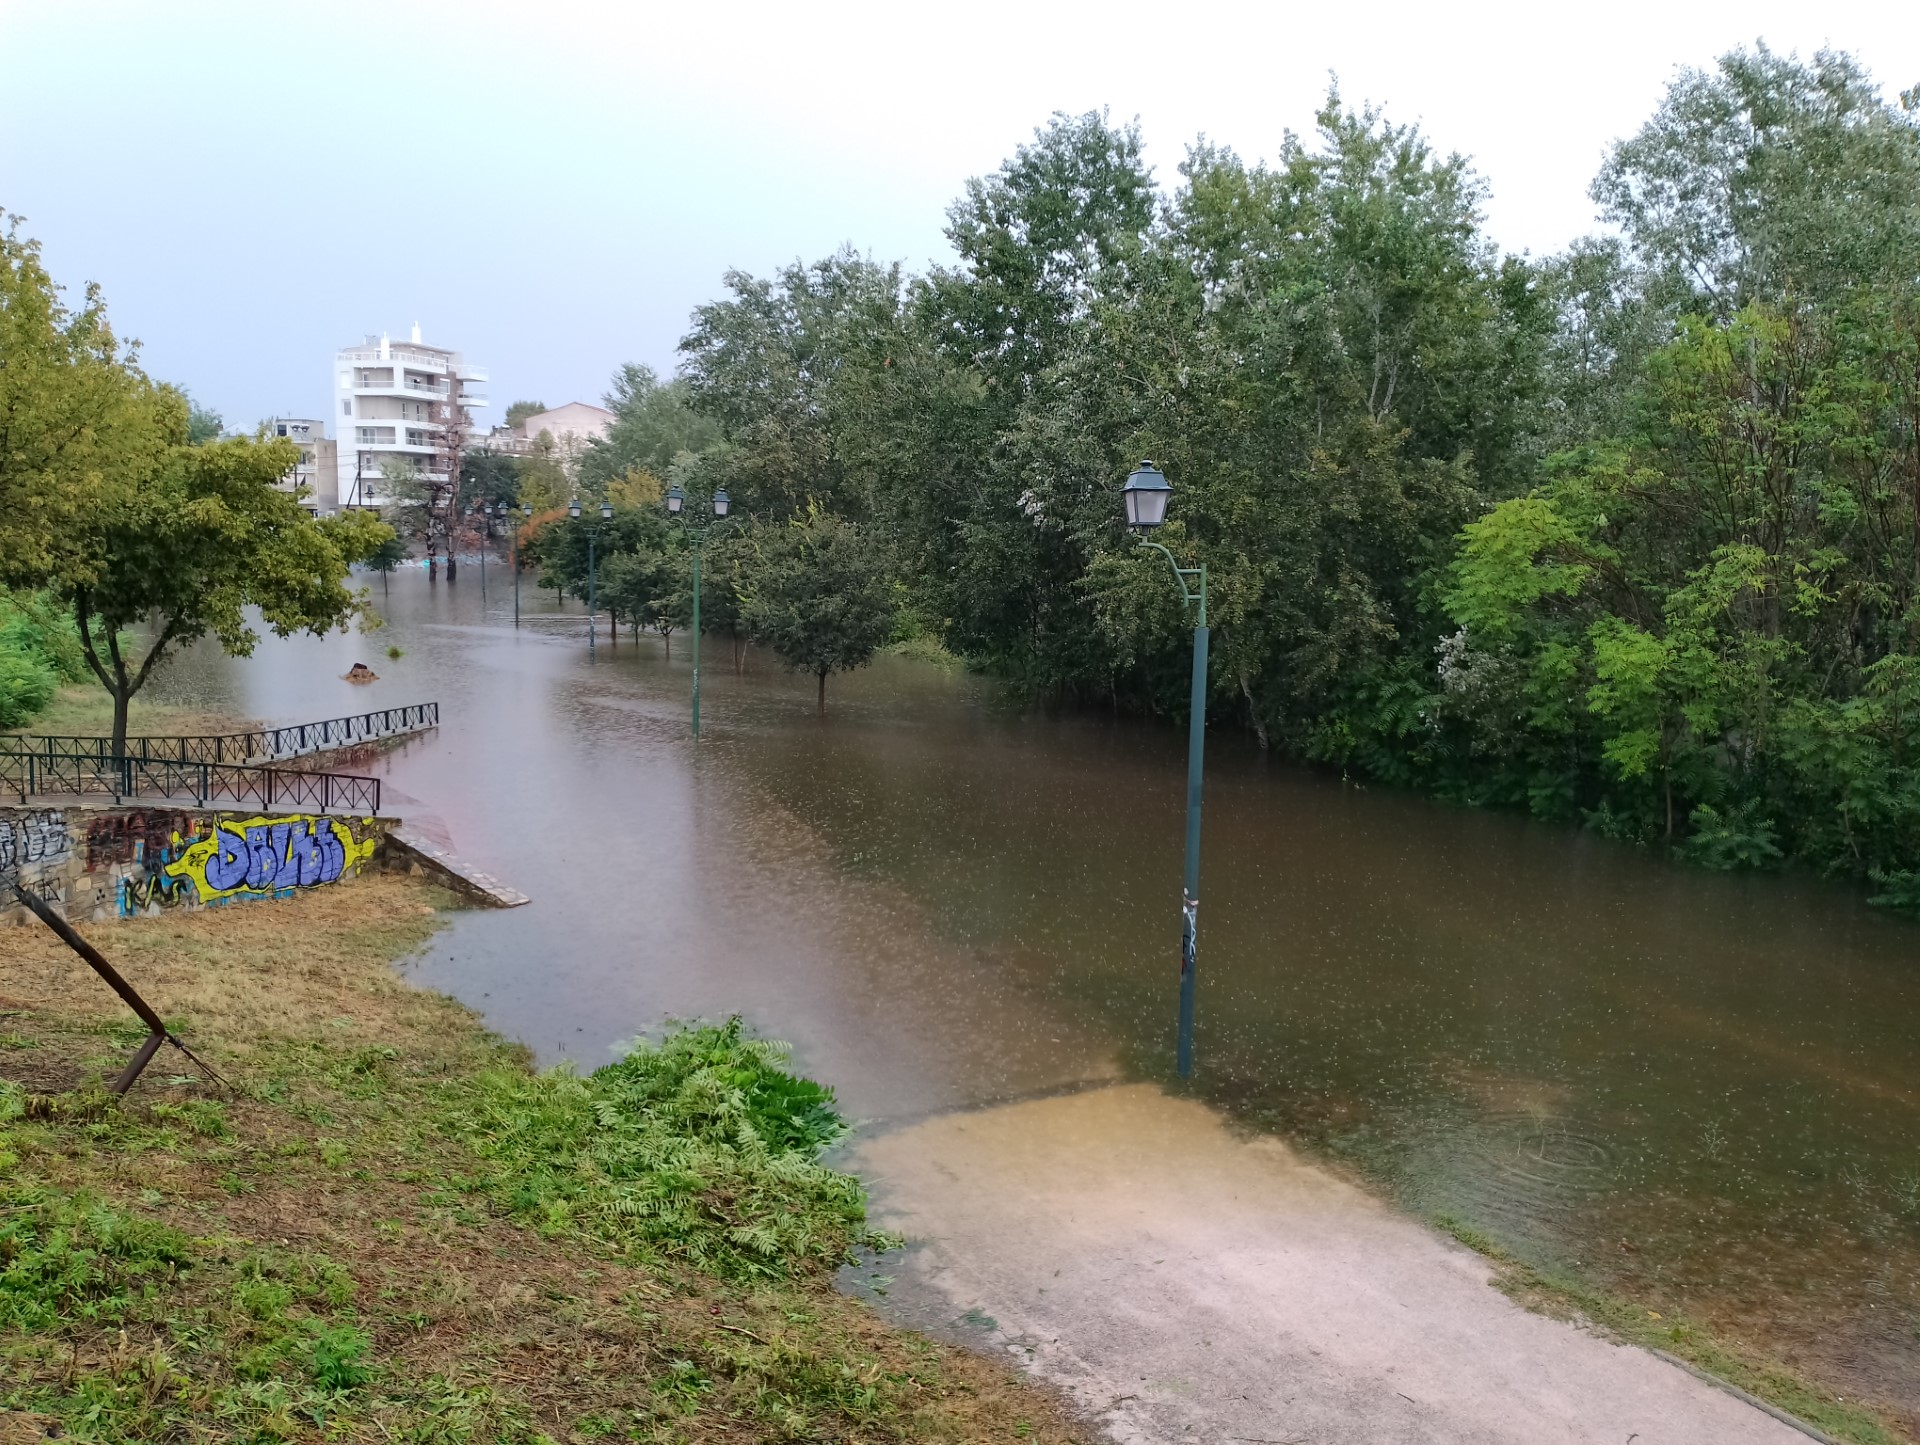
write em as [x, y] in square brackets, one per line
[551, 187]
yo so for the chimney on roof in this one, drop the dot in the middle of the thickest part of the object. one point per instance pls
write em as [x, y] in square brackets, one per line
[416, 333]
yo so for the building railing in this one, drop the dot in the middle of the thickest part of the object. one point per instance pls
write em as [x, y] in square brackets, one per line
[33, 774]
[398, 354]
[261, 745]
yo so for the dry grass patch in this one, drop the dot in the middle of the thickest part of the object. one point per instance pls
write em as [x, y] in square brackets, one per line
[84, 709]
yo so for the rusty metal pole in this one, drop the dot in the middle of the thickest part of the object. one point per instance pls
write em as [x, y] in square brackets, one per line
[158, 1034]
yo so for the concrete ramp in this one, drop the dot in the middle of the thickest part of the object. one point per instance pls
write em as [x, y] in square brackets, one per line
[409, 849]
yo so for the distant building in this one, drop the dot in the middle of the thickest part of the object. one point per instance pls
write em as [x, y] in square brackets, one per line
[571, 426]
[504, 440]
[317, 469]
[400, 401]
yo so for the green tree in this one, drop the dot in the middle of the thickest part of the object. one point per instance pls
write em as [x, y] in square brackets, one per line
[519, 411]
[389, 554]
[188, 550]
[816, 591]
[75, 413]
[654, 422]
[1768, 175]
[203, 423]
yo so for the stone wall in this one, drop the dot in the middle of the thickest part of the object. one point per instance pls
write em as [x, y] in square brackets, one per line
[100, 863]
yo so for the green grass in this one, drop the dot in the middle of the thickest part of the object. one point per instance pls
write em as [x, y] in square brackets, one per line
[394, 1229]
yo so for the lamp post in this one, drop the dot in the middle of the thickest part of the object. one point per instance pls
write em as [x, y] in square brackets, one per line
[676, 505]
[1146, 494]
[526, 511]
[593, 533]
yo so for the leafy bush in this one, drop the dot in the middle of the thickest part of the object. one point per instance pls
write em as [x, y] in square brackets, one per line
[1899, 890]
[702, 1147]
[39, 650]
[1736, 838]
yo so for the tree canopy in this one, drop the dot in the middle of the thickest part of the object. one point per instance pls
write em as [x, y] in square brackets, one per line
[1627, 536]
[110, 506]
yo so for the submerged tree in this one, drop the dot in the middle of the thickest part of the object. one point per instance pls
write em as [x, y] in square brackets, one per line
[816, 591]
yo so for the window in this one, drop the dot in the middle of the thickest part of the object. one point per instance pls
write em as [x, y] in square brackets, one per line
[346, 408]
[280, 430]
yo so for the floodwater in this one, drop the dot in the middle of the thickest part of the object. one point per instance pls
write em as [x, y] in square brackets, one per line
[1700, 1091]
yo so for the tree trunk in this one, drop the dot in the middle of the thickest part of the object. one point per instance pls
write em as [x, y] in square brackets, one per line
[1253, 710]
[823, 692]
[122, 699]
[452, 562]
[667, 637]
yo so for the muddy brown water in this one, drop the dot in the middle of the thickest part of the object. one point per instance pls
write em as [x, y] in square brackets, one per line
[1701, 1091]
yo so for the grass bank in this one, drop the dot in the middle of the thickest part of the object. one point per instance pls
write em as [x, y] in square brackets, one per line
[84, 709]
[394, 1229]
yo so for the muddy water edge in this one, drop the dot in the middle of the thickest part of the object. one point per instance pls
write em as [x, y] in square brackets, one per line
[1698, 1092]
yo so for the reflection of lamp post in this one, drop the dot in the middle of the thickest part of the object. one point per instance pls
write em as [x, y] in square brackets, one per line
[606, 515]
[676, 502]
[1146, 494]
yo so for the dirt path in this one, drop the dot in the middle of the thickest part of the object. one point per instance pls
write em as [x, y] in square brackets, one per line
[1184, 1284]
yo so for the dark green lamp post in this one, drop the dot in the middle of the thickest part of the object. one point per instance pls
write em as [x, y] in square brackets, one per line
[676, 507]
[526, 511]
[1146, 494]
[593, 533]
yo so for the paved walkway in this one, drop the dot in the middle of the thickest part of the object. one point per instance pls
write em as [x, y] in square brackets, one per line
[1185, 1284]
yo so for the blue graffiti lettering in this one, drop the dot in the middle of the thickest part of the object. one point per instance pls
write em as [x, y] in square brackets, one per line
[230, 860]
[261, 863]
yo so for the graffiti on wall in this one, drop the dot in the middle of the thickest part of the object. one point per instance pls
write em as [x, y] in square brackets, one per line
[141, 836]
[261, 857]
[36, 837]
[127, 862]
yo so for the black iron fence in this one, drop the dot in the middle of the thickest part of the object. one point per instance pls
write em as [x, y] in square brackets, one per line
[31, 773]
[262, 745]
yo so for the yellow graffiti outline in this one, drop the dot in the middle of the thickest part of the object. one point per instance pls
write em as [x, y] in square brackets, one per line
[193, 859]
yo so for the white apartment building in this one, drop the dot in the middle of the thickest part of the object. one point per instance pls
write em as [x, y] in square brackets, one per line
[317, 469]
[399, 401]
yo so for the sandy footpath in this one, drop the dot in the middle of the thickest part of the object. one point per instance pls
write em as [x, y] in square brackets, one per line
[1185, 1284]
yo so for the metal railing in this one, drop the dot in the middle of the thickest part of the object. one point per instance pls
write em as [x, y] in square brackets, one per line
[34, 773]
[262, 745]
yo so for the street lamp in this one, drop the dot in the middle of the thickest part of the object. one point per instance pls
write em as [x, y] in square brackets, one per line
[593, 533]
[676, 504]
[1146, 495]
[526, 511]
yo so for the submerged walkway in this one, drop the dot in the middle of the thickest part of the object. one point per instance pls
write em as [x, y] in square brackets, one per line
[1184, 1283]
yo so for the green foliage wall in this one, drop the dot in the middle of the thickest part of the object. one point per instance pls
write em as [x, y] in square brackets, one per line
[1628, 536]
[39, 650]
